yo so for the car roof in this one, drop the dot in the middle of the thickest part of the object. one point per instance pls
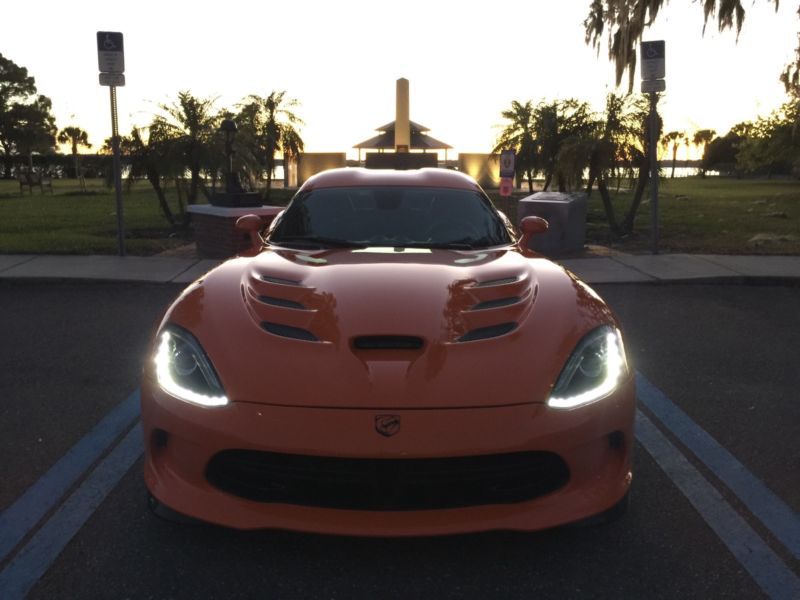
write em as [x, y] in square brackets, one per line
[360, 177]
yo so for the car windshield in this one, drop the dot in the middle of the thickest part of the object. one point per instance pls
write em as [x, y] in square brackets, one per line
[391, 216]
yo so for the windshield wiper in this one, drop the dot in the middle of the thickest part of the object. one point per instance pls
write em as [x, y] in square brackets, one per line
[437, 245]
[316, 240]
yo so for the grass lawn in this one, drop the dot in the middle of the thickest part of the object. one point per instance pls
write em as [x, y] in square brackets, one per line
[712, 215]
[709, 216]
[70, 222]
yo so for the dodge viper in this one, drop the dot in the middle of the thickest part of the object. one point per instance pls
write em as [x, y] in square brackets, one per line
[390, 358]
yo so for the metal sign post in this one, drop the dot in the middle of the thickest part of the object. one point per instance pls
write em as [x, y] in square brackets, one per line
[506, 172]
[653, 71]
[654, 170]
[111, 62]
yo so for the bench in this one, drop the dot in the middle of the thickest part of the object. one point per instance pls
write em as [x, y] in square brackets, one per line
[42, 180]
[45, 180]
[24, 181]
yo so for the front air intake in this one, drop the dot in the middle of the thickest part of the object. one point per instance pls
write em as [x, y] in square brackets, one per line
[392, 484]
[387, 342]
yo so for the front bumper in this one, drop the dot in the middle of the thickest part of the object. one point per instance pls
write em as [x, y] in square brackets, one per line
[594, 441]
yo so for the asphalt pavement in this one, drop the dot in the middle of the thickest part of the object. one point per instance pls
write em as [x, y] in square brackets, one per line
[723, 355]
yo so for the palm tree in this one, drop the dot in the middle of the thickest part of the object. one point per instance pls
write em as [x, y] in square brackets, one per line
[621, 150]
[150, 158]
[274, 127]
[565, 131]
[75, 136]
[676, 138]
[702, 137]
[518, 135]
[189, 126]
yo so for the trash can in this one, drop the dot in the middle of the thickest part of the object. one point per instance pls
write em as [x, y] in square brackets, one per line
[566, 214]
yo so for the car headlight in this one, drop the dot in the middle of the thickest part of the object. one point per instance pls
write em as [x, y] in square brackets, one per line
[184, 371]
[593, 371]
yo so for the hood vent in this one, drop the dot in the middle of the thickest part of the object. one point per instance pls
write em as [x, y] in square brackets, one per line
[278, 280]
[496, 303]
[493, 282]
[485, 333]
[281, 302]
[295, 333]
[387, 342]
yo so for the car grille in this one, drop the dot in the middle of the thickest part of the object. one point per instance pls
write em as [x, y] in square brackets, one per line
[387, 484]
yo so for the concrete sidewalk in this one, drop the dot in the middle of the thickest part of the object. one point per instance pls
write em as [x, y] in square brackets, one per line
[663, 268]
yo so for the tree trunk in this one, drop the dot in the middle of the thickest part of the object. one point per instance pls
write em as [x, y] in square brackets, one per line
[590, 180]
[9, 162]
[638, 193]
[608, 206]
[194, 184]
[530, 181]
[270, 168]
[547, 178]
[674, 156]
[155, 181]
[181, 208]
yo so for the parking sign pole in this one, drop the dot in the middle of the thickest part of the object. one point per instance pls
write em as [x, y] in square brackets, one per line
[653, 69]
[111, 63]
[117, 171]
[654, 170]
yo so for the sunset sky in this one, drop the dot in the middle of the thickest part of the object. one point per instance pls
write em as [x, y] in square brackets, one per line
[465, 60]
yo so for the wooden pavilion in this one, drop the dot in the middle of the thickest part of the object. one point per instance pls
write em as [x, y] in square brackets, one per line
[420, 140]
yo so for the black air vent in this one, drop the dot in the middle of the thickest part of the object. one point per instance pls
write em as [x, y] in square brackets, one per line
[387, 342]
[387, 483]
[278, 280]
[504, 281]
[289, 332]
[487, 332]
[281, 302]
[496, 303]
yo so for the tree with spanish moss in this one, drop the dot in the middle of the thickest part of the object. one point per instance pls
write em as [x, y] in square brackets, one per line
[623, 22]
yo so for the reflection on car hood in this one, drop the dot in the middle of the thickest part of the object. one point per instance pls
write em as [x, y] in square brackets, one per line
[387, 328]
[437, 296]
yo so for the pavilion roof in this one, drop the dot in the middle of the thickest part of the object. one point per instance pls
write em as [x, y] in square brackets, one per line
[419, 139]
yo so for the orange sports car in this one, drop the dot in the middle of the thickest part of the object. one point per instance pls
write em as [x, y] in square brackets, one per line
[389, 359]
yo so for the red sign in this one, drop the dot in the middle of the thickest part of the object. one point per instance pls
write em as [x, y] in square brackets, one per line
[506, 186]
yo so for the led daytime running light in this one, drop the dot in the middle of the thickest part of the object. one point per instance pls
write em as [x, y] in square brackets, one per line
[615, 367]
[163, 361]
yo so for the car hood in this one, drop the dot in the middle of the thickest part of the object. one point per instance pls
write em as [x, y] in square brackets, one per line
[382, 328]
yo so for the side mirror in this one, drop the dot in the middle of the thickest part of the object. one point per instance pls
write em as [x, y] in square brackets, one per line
[531, 226]
[253, 224]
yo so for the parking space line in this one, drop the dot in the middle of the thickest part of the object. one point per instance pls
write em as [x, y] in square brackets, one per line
[22, 516]
[43, 548]
[765, 505]
[764, 566]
